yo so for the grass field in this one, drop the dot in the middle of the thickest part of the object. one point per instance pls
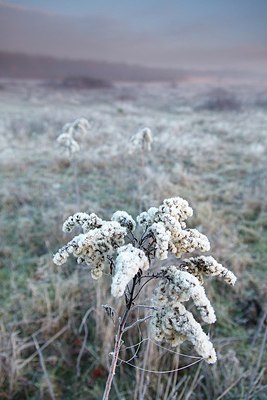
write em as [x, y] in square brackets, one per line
[210, 147]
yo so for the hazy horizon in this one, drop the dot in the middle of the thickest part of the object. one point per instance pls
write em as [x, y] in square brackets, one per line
[204, 35]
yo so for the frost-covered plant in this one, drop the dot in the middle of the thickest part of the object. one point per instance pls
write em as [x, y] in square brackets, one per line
[67, 140]
[141, 141]
[112, 247]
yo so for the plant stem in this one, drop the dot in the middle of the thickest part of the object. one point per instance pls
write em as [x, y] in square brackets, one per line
[115, 356]
[76, 183]
[117, 346]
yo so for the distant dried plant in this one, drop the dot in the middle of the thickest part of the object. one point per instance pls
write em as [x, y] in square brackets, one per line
[141, 141]
[67, 140]
[140, 145]
[112, 247]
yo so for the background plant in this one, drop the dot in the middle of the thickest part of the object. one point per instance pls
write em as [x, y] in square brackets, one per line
[67, 140]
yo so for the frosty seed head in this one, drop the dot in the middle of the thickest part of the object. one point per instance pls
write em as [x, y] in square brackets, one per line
[96, 273]
[147, 218]
[76, 127]
[174, 325]
[128, 262]
[68, 144]
[67, 139]
[124, 219]
[80, 126]
[162, 238]
[61, 257]
[173, 214]
[179, 287]
[207, 266]
[94, 245]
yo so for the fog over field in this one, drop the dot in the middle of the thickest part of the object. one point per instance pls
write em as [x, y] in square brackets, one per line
[209, 147]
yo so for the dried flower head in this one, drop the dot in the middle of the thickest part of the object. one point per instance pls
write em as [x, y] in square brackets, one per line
[79, 126]
[93, 247]
[162, 238]
[175, 324]
[164, 230]
[128, 262]
[180, 286]
[172, 214]
[84, 220]
[68, 144]
[124, 219]
[207, 266]
[70, 132]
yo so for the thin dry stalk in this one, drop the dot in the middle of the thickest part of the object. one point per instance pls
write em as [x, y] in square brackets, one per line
[230, 387]
[182, 394]
[42, 362]
[74, 164]
[83, 347]
[51, 340]
[194, 383]
[120, 332]
[13, 361]
[171, 380]
[256, 374]
[143, 384]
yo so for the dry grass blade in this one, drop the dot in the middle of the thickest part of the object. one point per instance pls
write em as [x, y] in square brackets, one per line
[231, 387]
[42, 362]
[51, 340]
[83, 347]
[194, 383]
[256, 375]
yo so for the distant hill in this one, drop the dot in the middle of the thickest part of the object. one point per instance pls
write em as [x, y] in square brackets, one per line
[24, 66]
[18, 65]
[78, 83]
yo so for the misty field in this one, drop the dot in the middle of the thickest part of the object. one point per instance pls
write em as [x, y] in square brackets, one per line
[210, 147]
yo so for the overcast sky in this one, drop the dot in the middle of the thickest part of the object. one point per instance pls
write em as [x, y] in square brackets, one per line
[201, 34]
